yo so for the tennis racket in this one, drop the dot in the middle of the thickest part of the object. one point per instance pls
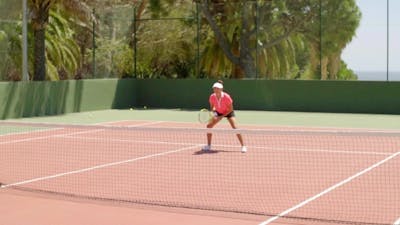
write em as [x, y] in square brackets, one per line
[204, 116]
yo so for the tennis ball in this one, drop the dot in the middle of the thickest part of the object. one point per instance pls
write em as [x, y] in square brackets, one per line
[144, 107]
[131, 109]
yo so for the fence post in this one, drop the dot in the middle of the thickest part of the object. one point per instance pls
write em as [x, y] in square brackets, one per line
[94, 43]
[134, 43]
[387, 40]
[257, 34]
[25, 73]
[198, 41]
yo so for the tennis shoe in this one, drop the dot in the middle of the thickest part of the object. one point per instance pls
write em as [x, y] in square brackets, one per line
[244, 149]
[206, 148]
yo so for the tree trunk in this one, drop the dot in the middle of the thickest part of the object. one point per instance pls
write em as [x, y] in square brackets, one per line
[246, 61]
[247, 64]
[324, 68]
[237, 71]
[139, 11]
[39, 55]
[334, 66]
[40, 18]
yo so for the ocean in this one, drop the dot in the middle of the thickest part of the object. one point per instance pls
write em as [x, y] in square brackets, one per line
[378, 75]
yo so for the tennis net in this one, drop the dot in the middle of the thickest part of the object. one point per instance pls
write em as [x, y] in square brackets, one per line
[314, 175]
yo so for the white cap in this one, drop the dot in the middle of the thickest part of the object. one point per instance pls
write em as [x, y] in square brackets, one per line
[218, 85]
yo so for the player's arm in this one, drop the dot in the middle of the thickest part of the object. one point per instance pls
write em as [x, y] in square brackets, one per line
[212, 108]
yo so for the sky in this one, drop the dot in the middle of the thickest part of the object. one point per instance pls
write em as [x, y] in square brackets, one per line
[368, 50]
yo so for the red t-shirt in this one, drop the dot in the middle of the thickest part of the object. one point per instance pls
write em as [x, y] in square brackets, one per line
[223, 104]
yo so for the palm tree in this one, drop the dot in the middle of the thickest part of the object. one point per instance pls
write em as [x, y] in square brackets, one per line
[62, 52]
[40, 16]
[40, 13]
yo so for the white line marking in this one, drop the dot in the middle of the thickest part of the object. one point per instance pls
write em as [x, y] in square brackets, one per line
[111, 122]
[233, 146]
[298, 130]
[140, 141]
[41, 130]
[397, 222]
[29, 132]
[97, 167]
[146, 124]
[324, 150]
[294, 128]
[322, 130]
[303, 203]
[67, 134]
[48, 136]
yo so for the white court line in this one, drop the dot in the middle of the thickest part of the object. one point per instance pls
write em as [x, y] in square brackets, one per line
[45, 130]
[397, 222]
[96, 167]
[47, 136]
[29, 132]
[295, 128]
[233, 146]
[303, 130]
[67, 134]
[146, 124]
[303, 203]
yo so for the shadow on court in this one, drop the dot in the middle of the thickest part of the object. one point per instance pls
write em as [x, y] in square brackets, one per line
[201, 152]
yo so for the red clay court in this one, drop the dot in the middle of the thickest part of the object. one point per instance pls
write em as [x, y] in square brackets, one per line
[150, 172]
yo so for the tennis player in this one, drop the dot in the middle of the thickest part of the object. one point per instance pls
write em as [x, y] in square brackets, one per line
[221, 104]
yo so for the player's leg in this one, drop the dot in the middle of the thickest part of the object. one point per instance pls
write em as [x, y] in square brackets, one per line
[211, 124]
[232, 122]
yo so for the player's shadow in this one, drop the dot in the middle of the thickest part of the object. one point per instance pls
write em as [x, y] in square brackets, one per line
[201, 152]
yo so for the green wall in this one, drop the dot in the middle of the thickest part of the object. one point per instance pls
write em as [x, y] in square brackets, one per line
[286, 95]
[26, 99]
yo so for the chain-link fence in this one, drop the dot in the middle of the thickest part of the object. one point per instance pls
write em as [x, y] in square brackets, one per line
[10, 40]
[211, 39]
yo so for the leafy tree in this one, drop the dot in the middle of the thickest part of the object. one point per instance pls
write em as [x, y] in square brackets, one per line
[240, 38]
[339, 21]
[259, 29]
[40, 14]
[9, 32]
[246, 38]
